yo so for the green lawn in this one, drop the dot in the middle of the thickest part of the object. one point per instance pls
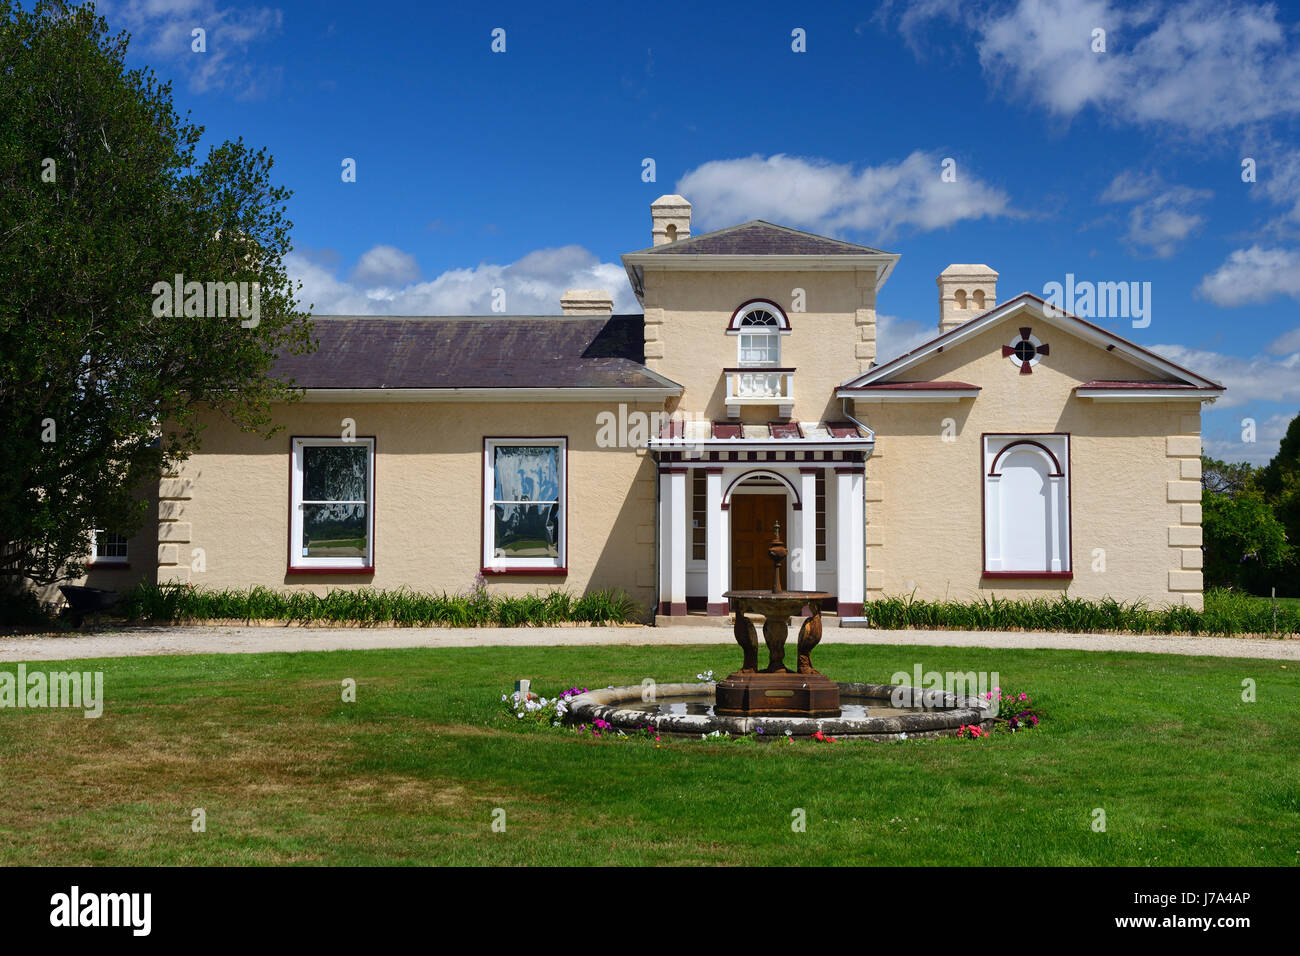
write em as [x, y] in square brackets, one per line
[1186, 773]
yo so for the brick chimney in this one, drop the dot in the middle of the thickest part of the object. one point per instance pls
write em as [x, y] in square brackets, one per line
[671, 219]
[965, 291]
[586, 302]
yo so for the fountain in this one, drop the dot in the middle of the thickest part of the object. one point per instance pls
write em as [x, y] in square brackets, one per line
[776, 691]
[776, 702]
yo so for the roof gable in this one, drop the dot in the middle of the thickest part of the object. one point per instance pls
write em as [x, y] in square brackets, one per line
[1027, 304]
[760, 238]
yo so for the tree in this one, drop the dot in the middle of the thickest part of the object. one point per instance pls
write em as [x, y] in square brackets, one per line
[1225, 477]
[1243, 538]
[102, 205]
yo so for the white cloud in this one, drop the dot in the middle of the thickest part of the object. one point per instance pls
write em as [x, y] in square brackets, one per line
[895, 336]
[1159, 224]
[1285, 344]
[1198, 67]
[1268, 438]
[1253, 275]
[1163, 218]
[162, 28]
[386, 266]
[1131, 185]
[827, 197]
[533, 285]
[1246, 379]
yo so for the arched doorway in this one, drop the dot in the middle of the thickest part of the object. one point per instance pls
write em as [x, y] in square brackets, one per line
[757, 503]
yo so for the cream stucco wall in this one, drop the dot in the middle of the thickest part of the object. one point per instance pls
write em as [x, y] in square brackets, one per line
[1135, 470]
[232, 499]
[686, 316]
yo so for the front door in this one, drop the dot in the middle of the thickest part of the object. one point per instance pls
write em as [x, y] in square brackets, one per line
[752, 518]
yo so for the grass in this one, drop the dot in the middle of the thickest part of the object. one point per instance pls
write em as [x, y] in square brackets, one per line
[1186, 772]
[368, 606]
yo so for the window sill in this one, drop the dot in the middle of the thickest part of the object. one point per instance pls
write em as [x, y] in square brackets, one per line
[291, 570]
[108, 566]
[1032, 575]
[541, 572]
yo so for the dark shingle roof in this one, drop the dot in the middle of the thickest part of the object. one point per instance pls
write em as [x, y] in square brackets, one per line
[760, 238]
[474, 352]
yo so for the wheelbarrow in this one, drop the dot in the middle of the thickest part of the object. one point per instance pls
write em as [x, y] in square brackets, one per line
[84, 601]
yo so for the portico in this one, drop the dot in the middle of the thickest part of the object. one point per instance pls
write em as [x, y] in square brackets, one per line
[721, 484]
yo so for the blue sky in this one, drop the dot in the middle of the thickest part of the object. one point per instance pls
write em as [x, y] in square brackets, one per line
[523, 169]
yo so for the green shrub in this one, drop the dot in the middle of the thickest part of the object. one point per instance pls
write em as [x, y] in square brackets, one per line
[1226, 612]
[368, 606]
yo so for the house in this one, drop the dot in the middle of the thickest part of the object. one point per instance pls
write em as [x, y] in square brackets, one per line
[1020, 452]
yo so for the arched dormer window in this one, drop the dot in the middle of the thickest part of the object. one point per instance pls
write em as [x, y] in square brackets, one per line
[760, 325]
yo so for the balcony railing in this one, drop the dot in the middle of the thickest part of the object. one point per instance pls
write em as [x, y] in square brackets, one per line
[760, 386]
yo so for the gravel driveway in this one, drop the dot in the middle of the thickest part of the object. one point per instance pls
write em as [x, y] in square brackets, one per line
[143, 641]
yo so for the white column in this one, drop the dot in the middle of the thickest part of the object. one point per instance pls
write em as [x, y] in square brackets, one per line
[1055, 522]
[672, 542]
[850, 556]
[806, 533]
[715, 547]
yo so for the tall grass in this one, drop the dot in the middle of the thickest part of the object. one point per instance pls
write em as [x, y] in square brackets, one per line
[1226, 613]
[368, 606]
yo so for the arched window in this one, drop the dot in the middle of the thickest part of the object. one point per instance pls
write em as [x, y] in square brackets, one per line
[977, 299]
[1026, 505]
[960, 296]
[760, 325]
[671, 232]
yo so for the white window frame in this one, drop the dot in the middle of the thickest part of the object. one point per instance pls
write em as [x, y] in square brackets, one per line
[297, 561]
[745, 335]
[1054, 450]
[495, 565]
[97, 558]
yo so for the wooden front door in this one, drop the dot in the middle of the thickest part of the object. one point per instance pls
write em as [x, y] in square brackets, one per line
[752, 517]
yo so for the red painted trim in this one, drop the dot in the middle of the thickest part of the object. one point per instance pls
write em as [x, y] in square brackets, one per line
[373, 514]
[849, 609]
[719, 610]
[670, 609]
[531, 572]
[482, 515]
[993, 468]
[782, 320]
[1031, 575]
[794, 492]
[850, 469]
[1115, 339]
[291, 571]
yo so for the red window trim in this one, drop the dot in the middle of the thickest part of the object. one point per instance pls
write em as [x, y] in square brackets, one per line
[291, 571]
[291, 568]
[505, 571]
[1069, 509]
[1030, 575]
[532, 572]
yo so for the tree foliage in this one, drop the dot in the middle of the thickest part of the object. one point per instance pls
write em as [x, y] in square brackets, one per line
[1251, 520]
[101, 198]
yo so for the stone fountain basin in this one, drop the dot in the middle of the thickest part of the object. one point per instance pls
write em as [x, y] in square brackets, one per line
[928, 713]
